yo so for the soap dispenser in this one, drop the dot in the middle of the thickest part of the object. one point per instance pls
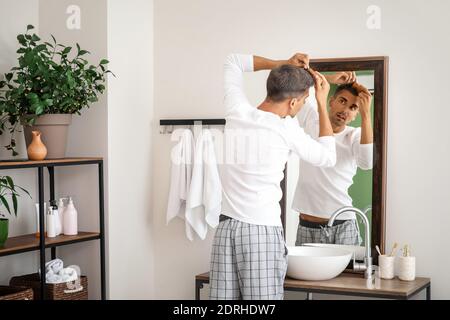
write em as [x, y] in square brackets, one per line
[70, 219]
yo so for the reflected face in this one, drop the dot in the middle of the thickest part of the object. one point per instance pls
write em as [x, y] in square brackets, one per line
[343, 108]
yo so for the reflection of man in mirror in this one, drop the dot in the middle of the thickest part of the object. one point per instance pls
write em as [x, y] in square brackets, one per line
[321, 191]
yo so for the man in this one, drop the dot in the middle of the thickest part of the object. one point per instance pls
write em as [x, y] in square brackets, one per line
[321, 191]
[248, 258]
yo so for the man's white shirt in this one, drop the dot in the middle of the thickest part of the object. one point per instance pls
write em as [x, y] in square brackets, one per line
[321, 191]
[257, 147]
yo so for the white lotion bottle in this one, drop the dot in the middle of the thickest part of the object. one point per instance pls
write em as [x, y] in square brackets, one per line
[70, 219]
[51, 228]
[61, 209]
[57, 218]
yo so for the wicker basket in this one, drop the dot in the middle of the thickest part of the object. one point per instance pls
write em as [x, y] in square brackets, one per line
[53, 291]
[15, 293]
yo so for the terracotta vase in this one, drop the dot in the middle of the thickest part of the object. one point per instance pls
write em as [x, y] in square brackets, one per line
[54, 129]
[36, 150]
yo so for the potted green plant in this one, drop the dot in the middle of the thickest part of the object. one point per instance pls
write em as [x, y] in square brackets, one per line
[51, 83]
[8, 190]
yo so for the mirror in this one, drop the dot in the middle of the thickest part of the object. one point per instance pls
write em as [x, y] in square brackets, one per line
[311, 194]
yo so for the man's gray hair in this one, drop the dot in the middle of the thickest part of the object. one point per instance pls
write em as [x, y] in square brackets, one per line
[288, 81]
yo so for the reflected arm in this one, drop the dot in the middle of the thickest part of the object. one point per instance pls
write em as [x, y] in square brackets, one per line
[364, 101]
[366, 128]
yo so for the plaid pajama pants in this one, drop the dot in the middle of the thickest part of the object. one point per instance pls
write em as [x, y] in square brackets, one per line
[346, 233]
[247, 262]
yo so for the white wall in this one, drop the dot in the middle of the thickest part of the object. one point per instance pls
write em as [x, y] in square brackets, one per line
[193, 37]
[14, 18]
[87, 134]
[120, 131]
[130, 124]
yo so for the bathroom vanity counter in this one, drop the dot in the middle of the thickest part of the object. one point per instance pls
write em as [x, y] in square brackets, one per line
[348, 284]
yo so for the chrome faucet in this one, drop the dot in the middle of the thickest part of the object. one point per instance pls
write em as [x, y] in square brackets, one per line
[357, 266]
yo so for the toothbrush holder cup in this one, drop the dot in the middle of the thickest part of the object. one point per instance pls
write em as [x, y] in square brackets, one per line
[407, 268]
[386, 266]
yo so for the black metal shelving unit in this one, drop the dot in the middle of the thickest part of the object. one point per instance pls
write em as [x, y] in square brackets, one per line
[27, 243]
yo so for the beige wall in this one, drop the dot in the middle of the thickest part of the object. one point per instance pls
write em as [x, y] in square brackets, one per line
[122, 32]
[119, 130]
[192, 39]
[14, 18]
[130, 123]
[87, 134]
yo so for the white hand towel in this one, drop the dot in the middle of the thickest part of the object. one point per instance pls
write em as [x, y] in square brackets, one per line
[212, 188]
[182, 159]
[205, 196]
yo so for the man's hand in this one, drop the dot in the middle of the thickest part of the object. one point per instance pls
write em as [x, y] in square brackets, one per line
[364, 98]
[299, 60]
[342, 77]
[322, 88]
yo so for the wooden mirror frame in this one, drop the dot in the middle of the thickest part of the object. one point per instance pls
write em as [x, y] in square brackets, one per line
[380, 67]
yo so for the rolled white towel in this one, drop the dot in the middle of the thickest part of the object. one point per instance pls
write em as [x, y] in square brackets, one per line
[64, 275]
[52, 277]
[68, 274]
[55, 265]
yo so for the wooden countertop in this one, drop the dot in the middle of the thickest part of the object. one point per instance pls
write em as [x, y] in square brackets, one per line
[353, 284]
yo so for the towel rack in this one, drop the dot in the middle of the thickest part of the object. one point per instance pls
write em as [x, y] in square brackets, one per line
[189, 122]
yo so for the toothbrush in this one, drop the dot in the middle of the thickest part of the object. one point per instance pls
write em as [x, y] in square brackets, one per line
[394, 248]
[378, 250]
[406, 251]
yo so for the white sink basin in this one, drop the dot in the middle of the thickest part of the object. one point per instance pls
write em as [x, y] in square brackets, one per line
[316, 263]
[358, 250]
